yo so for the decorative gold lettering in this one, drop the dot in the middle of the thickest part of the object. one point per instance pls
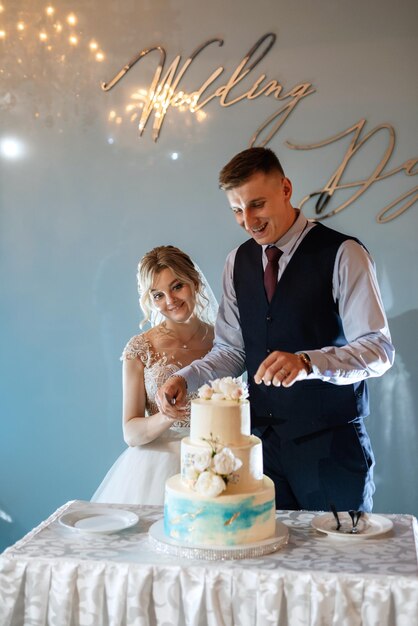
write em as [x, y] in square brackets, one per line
[131, 63]
[237, 77]
[333, 185]
[382, 217]
[164, 92]
[407, 167]
[161, 93]
[297, 93]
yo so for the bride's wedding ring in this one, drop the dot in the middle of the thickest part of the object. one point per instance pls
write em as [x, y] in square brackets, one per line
[283, 371]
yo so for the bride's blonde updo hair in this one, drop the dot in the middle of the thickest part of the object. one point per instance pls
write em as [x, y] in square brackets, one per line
[159, 259]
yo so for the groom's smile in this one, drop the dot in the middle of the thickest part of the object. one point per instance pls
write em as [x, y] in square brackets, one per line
[262, 206]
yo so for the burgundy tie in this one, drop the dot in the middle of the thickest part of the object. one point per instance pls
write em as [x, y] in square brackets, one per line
[272, 268]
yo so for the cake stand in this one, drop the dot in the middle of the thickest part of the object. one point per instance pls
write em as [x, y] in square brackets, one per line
[167, 545]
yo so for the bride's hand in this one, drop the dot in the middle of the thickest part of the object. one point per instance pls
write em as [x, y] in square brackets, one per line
[171, 398]
[175, 413]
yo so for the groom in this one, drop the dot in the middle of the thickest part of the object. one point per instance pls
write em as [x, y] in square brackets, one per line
[302, 313]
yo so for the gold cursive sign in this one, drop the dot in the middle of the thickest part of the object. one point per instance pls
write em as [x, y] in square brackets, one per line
[165, 92]
[334, 184]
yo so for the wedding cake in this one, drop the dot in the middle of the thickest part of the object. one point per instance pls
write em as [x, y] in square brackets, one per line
[221, 496]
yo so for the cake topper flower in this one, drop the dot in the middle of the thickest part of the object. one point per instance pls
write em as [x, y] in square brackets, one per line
[224, 389]
[209, 472]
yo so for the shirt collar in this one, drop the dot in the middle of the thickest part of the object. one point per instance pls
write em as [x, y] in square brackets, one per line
[291, 236]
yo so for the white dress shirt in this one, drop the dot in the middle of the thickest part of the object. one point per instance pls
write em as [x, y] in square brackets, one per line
[369, 351]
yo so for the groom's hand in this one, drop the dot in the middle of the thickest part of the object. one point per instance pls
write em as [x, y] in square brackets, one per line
[281, 369]
[171, 397]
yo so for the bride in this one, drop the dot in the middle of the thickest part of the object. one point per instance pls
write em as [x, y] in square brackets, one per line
[179, 303]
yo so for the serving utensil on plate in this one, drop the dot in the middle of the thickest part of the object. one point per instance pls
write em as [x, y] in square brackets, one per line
[335, 514]
[355, 516]
[366, 525]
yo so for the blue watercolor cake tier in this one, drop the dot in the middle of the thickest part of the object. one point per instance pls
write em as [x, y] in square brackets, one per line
[225, 520]
[221, 497]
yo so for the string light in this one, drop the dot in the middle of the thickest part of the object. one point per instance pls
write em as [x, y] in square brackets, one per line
[72, 19]
[58, 31]
[44, 36]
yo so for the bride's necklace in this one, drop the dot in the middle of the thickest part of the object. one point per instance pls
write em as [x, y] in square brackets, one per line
[183, 346]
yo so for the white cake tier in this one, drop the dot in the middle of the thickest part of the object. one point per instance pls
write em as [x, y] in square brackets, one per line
[249, 477]
[226, 520]
[226, 419]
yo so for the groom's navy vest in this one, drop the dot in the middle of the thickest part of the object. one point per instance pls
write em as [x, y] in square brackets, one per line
[301, 316]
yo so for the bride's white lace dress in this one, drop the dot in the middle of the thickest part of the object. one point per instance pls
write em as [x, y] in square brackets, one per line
[139, 474]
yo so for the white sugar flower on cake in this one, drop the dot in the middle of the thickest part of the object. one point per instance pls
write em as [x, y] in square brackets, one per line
[209, 472]
[209, 484]
[225, 462]
[202, 461]
[224, 389]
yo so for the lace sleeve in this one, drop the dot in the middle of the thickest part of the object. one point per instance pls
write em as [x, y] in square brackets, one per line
[137, 348]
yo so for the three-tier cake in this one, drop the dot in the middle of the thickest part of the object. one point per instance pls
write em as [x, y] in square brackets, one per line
[221, 497]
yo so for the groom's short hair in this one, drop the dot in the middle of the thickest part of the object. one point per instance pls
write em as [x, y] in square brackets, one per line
[246, 163]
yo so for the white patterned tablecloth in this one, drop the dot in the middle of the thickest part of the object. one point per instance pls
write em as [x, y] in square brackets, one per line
[57, 577]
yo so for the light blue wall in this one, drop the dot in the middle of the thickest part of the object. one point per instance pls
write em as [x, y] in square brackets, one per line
[77, 211]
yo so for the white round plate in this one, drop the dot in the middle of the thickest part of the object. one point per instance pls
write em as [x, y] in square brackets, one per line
[160, 542]
[92, 519]
[369, 525]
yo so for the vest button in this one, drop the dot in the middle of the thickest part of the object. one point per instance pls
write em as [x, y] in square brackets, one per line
[269, 318]
[268, 350]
